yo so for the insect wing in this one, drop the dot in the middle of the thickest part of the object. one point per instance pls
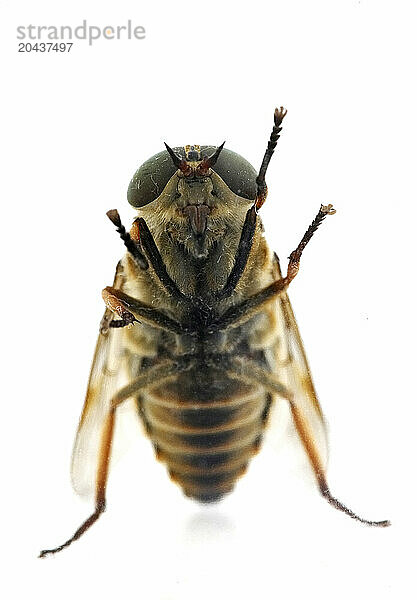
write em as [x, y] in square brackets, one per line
[294, 373]
[107, 376]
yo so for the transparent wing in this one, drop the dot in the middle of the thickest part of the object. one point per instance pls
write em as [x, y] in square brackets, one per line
[108, 374]
[294, 373]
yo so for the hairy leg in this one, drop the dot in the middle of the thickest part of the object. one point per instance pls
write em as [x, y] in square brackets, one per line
[237, 315]
[154, 374]
[250, 371]
[131, 310]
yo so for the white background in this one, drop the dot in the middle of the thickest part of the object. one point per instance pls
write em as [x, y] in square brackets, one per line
[74, 129]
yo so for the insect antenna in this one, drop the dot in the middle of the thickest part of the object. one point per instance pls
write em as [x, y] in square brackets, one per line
[130, 244]
[279, 115]
[179, 162]
[212, 159]
[209, 161]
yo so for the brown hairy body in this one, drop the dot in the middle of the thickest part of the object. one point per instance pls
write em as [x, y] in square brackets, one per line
[203, 424]
[199, 330]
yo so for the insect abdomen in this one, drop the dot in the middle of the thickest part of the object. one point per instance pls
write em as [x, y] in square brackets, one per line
[205, 431]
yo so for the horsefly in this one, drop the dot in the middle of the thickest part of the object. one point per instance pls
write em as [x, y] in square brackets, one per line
[198, 329]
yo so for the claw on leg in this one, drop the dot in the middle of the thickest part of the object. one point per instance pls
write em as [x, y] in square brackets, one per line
[116, 307]
[82, 529]
[325, 492]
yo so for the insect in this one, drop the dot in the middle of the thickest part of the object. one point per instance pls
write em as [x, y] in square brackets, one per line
[198, 329]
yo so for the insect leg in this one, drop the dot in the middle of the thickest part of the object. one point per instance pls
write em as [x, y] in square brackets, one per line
[279, 115]
[155, 258]
[250, 371]
[295, 255]
[102, 473]
[154, 374]
[131, 244]
[128, 309]
[242, 255]
[241, 313]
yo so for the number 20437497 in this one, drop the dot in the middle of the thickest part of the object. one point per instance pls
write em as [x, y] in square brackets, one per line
[45, 47]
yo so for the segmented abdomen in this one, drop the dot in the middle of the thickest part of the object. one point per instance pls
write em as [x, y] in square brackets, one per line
[206, 429]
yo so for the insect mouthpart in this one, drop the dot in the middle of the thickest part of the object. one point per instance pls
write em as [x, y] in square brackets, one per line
[197, 214]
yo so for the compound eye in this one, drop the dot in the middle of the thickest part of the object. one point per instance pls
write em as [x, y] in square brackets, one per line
[151, 178]
[237, 173]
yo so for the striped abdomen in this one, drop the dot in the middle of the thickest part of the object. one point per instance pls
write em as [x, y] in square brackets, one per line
[205, 429]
